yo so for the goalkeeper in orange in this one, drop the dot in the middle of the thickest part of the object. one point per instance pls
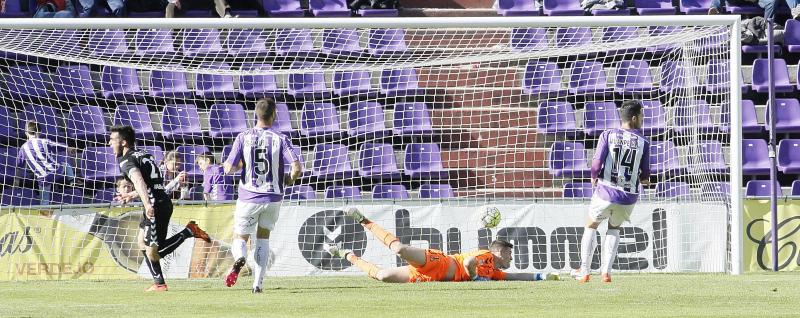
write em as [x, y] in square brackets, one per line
[426, 265]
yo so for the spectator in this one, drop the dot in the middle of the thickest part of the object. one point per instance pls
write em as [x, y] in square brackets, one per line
[176, 7]
[214, 187]
[54, 9]
[177, 186]
[124, 188]
[39, 154]
[88, 7]
[769, 6]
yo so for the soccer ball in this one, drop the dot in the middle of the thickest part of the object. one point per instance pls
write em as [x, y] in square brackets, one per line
[491, 217]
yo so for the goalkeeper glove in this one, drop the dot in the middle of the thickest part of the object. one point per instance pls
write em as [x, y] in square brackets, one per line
[479, 278]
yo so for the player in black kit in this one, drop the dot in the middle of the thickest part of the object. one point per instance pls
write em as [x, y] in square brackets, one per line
[142, 171]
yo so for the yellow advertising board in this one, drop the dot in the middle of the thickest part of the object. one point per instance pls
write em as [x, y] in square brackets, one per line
[757, 250]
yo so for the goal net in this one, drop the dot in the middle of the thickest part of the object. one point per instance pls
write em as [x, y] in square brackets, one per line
[421, 123]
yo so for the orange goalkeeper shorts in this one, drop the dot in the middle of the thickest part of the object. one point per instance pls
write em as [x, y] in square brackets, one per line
[435, 268]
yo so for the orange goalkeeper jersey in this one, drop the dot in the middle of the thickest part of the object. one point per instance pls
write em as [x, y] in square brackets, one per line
[485, 266]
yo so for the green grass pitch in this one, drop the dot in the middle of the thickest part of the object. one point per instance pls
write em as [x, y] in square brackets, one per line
[632, 295]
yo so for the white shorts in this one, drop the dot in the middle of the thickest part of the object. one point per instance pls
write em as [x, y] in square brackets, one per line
[249, 215]
[601, 210]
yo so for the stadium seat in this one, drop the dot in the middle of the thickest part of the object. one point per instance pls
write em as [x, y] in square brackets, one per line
[319, 119]
[283, 122]
[791, 37]
[155, 151]
[761, 188]
[754, 157]
[366, 119]
[761, 78]
[574, 36]
[341, 42]
[789, 156]
[181, 123]
[19, 197]
[400, 82]
[199, 43]
[50, 120]
[308, 84]
[718, 77]
[329, 8]
[27, 82]
[694, 6]
[588, 78]
[258, 86]
[120, 83]
[386, 42]
[556, 118]
[188, 154]
[654, 7]
[411, 119]
[787, 115]
[743, 9]
[424, 161]
[659, 31]
[377, 162]
[108, 43]
[543, 79]
[710, 158]
[153, 42]
[568, 159]
[672, 76]
[244, 43]
[512, 8]
[196, 193]
[68, 195]
[226, 120]
[529, 39]
[618, 34]
[169, 84]
[390, 191]
[73, 83]
[86, 123]
[672, 189]
[104, 195]
[795, 188]
[14, 9]
[436, 191]
[633, 77]
[716, 190]
[693, 116]
[562, 7]
[283, 8]
[342, 192]
[300, 192]
[353, 83]
[599, 116]
[331, 161]
[294, 42]
[99, 165]
[655, 118]
[578, 190]
[8, 126]
[138, 117]
[664, 159]
[215, 86]
[10, 168]
[749, 118]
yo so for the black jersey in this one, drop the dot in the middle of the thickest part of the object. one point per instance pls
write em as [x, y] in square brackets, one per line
[148, 167]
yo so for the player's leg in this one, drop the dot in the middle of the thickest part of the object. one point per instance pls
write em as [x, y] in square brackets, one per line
[266, 222]
[163, 216]
[413, 255]
[151, 257]
[392, 275]
[244, 223]
[598, 212]
[619, 214]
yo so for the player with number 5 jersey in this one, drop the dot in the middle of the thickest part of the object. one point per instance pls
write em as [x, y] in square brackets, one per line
[260, 154]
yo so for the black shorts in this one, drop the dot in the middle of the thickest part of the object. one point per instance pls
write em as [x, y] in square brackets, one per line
[155, 231]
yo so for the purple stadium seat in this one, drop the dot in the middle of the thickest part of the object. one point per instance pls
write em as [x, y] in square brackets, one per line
[436, 191]
[789, 156]
[694, 6]
[138, 117]
[710, 158]
[568, 159]
[743, 9]
[787, 115]
[381, 42]
[215, 86]
[718, 77]
[618, 34]
[68, 196]
[543, 79]
[14, 9]
[424, 161]
[556, 118]
[366, 119]
[108, 43]
[654, 7]
[353, 83]
[693, 116]
[181, 123]
[660, 31]
[754, 157]
[169, 84]
[19, 197]
[153, 42]
[562, 7]
[716, 190]
[258, 86]
[400, 82]
[390, 191]
[664, 159]
[377, 161]
[633, 77]
[120, 83]
[588, 78]
[294, 42]
[283, 122]
[599, 116]
[791, 36]
[795, 188]
[578, 190]
[86, 123]
[672, 189]
[73, 83]
[8, 126]
[575, 36]
[202, 43]
[332, 161]
[529, 39]
[329, 8]
[319, 119]
[26, 82]
[50, 120]
[761, 188]
[412, 119]
[245, 43]
[10, 168]
[308, 84]
[341, 42]
[342, 192]
[226, 120]
[188, 154]
[781, 76]
[299, 192]
[655, 118]
[672, 76]
[517, 8]
[283, 8]
[749, 118]
[104, 195]
[99, 165]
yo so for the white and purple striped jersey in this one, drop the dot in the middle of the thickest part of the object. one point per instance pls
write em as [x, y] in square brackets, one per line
[263, 152]
[40, 156]
[621, 160]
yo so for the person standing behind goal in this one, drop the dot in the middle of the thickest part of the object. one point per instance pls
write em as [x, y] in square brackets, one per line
[620, 164]
[260, 152]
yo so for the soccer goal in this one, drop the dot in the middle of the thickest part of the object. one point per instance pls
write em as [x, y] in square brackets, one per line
[422, 123]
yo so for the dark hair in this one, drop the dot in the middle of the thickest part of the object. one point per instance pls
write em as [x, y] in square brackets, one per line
[126, 133]
[497, 244]
[265, 108]
[629, 109]
[32, 127]
[206, 155]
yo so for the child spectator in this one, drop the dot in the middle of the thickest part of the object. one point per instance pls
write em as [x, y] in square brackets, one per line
[214, 187]
[175, 179]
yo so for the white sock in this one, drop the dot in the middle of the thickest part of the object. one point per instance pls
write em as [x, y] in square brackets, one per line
[262, 259]
[609, 250]
[588, 245]
[238, 248]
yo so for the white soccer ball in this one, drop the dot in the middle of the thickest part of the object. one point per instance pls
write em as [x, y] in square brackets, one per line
[491, 217]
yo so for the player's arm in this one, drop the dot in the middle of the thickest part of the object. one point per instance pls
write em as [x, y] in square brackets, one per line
[234, 161]
[290, 156]
[521, 276]
[141, 188]
[599, 157]
[297, 170]
[644, 166]
[471, 266]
